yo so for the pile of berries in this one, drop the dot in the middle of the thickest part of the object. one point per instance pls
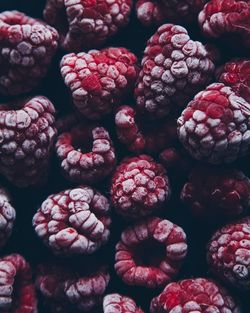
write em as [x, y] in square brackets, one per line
[124, 156]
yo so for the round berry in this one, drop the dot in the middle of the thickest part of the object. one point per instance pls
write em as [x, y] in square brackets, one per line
[116, 303]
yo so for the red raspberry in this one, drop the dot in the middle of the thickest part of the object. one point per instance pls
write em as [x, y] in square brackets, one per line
[174, 69]
[86, 24]
[214, 193]
[86, 153]
[199, 295]
[74, 221]
[27, 134]
[27, 46]
[140, 135]
[229, 254]
[99, 79]
[139, 187]
[17, 289]
[134, 262]
[215, 126]
[115, 303]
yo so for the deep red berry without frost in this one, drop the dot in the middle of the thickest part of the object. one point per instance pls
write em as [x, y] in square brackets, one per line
[116, 303]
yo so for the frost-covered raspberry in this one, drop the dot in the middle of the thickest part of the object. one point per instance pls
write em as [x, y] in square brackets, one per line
[27, 46]
[86, 24]
[150, 253]
[27, 133]
[86, 153]
[140, 135]
[74, 221]
[17, 289]
[174, 69]
[229, 254]
[116, 303]
[199, 295]
[139, 187]
[215, 126]
[214, 193]
[99, 79]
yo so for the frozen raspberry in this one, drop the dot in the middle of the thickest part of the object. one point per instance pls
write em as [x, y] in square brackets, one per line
[214, 193]
[139, 187]
[27, 46]
[215, 126]
[99, 79]
[229, 254]
[116, 303]
[86, 153]
[74, 221]
[27, 133]
[199, 295]
[150, 253]
[174, 69]
[86, 24]
[17, 289]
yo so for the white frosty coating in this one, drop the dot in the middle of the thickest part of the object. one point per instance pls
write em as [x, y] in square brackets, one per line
[7, 216]
[116, 303]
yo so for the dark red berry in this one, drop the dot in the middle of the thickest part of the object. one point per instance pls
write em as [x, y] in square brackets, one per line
[116, 303]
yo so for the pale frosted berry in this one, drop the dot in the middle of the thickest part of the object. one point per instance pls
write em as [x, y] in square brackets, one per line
[116, 303]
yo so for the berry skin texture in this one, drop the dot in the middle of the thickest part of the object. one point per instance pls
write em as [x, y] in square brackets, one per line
[139, 187]
[99, 79]
[116, 303]
[134, 262]
[84, 24]
[74, 221]
[81, 165]
[17, 289]
[174, 69]
[27, 47]
[199, 295]
[215, 126]
[27, 135]
[228, 254]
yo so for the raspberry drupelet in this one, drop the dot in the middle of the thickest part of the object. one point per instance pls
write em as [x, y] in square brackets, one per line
[27, 46]
[174, 69]
[139, 187]
[84, 24]
[198, 295]
[228, 254]
[27, 135]
[99, 79]
[17, 289]
[86, 153]
[116, 303]
[74, 221]
[137, 265]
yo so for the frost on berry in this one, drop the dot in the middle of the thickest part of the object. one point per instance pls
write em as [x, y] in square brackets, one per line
[17, 289]
[174, 69]
[86, 153]
[27, 46]
[139, 187]
[199, 295]
[27, 134]
[116, 303]
[74, 221]
[99, 79]
[137, 265]
[86, 24]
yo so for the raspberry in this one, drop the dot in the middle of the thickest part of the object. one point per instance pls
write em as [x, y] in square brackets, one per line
[137, 266]
[194, 295]
[74, 221]
[140, 135]
[174, 69]
[86, 153]
[99, 79]
[139, 187]
[115, 303]
[86, 24]
[229, 254]
[27, 134]
[17, 289]
[27, 46]
[215, 126]
[214, 193]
